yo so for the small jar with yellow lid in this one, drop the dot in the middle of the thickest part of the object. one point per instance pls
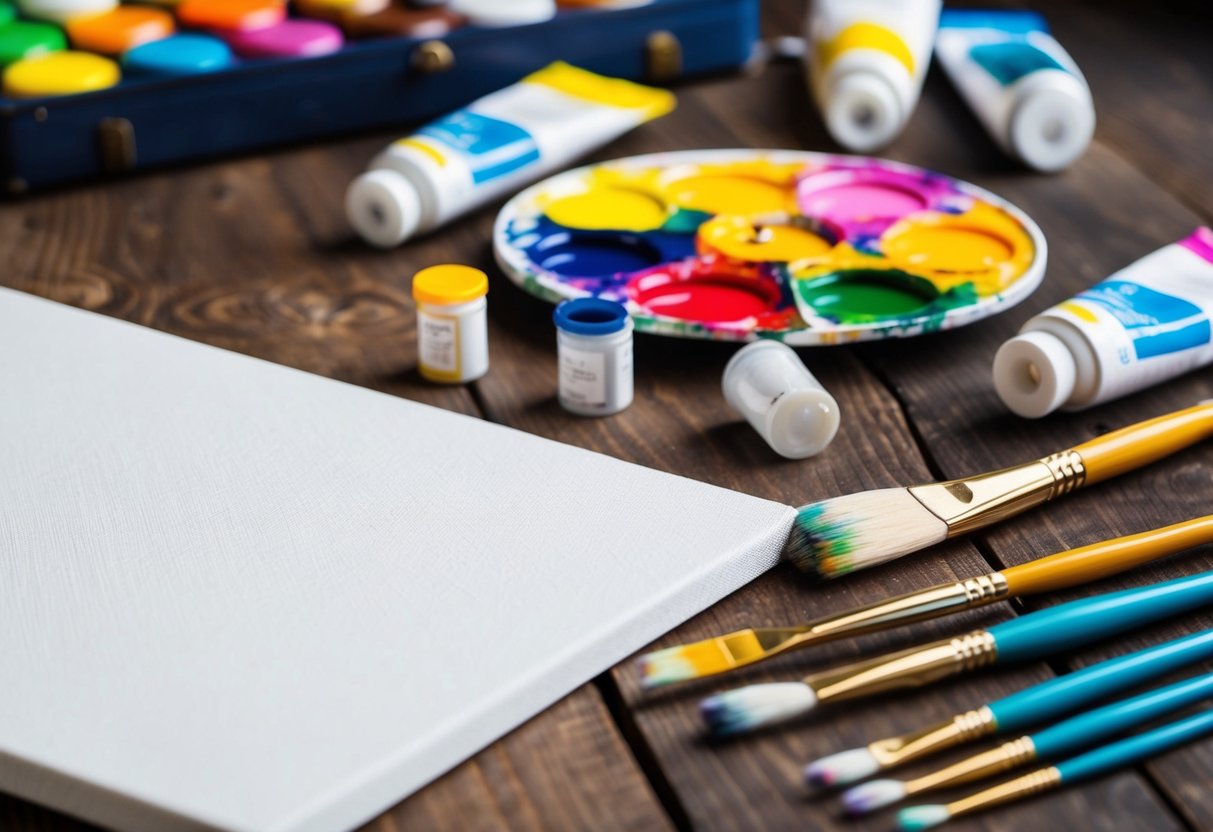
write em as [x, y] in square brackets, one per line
[452, 323]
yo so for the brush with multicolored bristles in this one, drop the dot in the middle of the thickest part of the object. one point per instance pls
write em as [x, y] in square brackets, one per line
[1017, 712]
[1084, 767]
[1052, 743]
[844, 534]
[1029, 637]
[1058, 571]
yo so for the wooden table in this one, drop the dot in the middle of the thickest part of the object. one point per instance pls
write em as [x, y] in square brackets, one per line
[255, 255]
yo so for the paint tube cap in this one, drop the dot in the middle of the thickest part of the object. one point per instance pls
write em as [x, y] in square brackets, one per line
[1034, 373]
[1053, 122]
[383, 207]
[768, 384]
[863, 111]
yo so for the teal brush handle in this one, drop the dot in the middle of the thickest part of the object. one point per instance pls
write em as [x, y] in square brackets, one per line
[1089, 728]
[1057, 697]
[1078, 623]
[1132, 749]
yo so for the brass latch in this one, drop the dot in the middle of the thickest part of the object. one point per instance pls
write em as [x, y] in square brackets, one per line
[433, 56]
[662, 57]
[116, 143]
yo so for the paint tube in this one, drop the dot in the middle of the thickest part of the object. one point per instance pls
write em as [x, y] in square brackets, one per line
[1143, 325]
[867, 59]
[493, 147]
[1025, 89]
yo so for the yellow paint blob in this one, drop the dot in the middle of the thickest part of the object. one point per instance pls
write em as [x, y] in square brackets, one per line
[983, 245]
[732, 194]
[741, 238]
[951, 249]
[618, 209]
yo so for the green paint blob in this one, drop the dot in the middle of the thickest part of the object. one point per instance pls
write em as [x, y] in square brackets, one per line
[864, 296]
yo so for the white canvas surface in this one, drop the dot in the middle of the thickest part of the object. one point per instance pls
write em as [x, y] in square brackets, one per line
[238, 596]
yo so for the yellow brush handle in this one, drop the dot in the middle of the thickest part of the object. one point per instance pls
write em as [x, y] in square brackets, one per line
[1123, 450]
[1090, 563]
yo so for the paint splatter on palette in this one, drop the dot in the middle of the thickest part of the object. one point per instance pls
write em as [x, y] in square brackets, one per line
[804, 247]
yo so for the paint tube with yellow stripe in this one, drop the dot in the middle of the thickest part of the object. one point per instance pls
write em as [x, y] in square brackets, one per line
[866, 62]
[1145, 324]
[493, 147]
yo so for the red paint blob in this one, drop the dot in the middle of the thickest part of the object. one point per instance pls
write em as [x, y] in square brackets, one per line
[706, 298]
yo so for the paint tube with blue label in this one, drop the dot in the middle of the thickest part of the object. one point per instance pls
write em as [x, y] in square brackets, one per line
[493, 147]
[1025, 89]
[1143, 325]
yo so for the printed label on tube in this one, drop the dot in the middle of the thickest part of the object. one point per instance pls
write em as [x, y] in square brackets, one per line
[492, 147]
[583, 377]
[438, 342]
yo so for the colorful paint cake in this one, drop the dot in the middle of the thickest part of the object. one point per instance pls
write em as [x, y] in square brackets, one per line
[804, 247]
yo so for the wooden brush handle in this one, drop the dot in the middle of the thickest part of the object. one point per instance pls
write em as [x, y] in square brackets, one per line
[1123, 450]
[1099, 560]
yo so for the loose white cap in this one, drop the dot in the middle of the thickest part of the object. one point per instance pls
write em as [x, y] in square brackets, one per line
[1034, 374]
[862, 111]
[383, 207]
[767, 383]
[1053, 124]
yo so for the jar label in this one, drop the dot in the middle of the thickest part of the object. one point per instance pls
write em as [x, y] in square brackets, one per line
[438, 342]
[583, 377]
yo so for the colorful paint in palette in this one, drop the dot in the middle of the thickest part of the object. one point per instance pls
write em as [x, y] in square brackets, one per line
[804, 247]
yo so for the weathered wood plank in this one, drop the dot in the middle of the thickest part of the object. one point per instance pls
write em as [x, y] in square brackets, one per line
[1153, 87]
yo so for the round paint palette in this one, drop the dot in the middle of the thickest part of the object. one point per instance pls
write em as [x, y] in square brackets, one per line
[807, 248]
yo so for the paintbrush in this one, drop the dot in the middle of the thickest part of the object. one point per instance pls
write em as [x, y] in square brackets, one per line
[1065, 569]
[1033, 636]
[1052, 743]
[844, 534]
[1039, 703]
[1084, 767]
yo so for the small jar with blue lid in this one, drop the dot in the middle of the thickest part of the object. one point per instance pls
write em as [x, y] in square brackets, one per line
[594, 349]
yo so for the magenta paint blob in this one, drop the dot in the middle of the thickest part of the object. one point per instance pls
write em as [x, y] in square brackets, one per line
[292, 38]
[862, 200]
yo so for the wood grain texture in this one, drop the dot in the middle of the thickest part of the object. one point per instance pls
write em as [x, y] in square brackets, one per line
[255, 255]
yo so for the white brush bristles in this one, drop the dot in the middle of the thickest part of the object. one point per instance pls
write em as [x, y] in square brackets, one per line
[664, 667]
[867, 797]
[917, 818]
[845, 534]
[747, 708]
[841, 768]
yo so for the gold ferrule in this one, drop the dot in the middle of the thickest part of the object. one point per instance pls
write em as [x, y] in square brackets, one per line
[977, 502]
[916, 606]
[1007, 756]
[959, 729]
[911, 668]
[1031, 783]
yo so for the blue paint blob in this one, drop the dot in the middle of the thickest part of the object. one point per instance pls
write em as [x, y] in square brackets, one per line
[584, 256]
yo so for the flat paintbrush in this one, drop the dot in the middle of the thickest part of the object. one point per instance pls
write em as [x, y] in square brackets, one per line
[1084, 767]
[1029, 637]
[1033, 705]
[1052, 743]
[844, 534]
[1065, 569]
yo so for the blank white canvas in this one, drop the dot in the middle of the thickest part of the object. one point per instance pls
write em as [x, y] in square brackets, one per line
[238, 596]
